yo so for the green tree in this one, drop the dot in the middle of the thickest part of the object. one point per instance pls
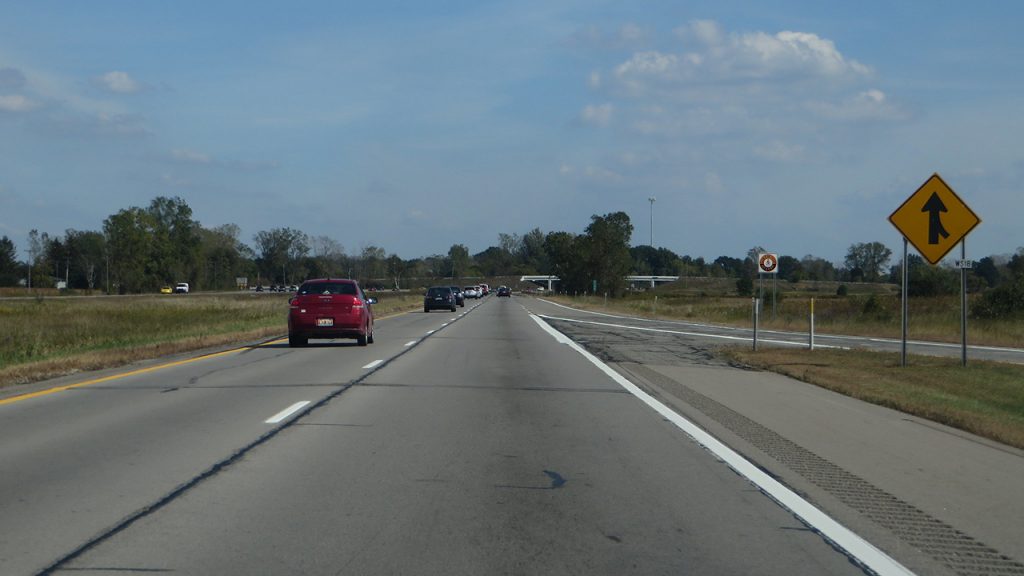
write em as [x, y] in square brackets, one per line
[494, 262]
[9, 272]
[790, 269]
[87, 250]
[532, 256]
[458, 256]
[278, 248]
[129, 238]
[605, 250]
[562, 249]
[870, 258]
[177, 242]
[817, 269]
[38, 266]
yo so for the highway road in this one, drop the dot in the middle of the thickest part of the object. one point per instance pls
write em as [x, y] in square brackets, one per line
[480, 442]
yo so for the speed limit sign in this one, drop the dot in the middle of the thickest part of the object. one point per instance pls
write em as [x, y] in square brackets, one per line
[768, 263]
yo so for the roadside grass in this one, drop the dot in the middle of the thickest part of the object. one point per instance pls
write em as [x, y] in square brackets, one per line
[984, 398]
[47, 337]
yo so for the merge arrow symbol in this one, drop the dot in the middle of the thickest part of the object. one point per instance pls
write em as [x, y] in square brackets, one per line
[935, 208]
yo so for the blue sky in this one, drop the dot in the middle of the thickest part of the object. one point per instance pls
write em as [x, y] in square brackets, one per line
[796, 126]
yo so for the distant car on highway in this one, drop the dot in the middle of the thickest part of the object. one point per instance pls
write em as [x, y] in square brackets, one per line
[166, 290]
[471, 292]
[484, 290]
[181, 288]
[460, 296]
[504, 291]
[439, 297]
[330, 308]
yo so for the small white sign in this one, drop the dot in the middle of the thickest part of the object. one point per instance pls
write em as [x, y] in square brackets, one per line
[768, 263]
[964, 264]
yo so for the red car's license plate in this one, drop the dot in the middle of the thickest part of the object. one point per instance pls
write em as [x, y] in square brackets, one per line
[325, 321]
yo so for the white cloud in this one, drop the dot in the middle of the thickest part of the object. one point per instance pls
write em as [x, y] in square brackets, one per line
[598, 115]
[119, 82]
[721, 57]
[17, 103]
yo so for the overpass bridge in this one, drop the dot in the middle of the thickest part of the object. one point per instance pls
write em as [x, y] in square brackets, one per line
[549, 281]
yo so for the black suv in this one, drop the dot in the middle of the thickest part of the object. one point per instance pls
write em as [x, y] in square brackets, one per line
[439, 297]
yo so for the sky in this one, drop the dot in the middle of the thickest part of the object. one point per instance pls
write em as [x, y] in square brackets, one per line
[796, 126]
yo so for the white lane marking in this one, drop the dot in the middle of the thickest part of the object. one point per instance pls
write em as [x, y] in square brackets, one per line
[857, 547]
[409, 343]
[681, 333]
[431, 332]
[373, 364]
[795, 334]
[280, 416]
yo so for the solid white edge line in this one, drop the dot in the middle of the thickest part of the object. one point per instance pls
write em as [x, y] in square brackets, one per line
[373, 364]
[280, 416]
[857, 547]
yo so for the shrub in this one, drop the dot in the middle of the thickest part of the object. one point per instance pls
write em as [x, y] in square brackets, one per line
[745, 286]
[1005, 300]
[843, 290]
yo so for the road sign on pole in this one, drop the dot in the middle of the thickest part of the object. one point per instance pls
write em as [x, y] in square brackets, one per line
[768, 263]
[934, 219]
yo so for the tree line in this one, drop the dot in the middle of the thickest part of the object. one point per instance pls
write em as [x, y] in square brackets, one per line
[140, 249]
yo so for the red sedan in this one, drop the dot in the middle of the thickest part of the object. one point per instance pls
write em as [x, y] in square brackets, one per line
[330, 308]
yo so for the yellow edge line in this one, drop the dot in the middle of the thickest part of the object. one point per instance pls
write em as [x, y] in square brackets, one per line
[49, 391]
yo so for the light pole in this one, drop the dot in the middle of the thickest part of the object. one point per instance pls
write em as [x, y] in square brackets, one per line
[651, 200]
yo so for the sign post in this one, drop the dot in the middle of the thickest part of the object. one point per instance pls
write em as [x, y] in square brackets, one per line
[769, 264]
[934, 219]
[963, 302]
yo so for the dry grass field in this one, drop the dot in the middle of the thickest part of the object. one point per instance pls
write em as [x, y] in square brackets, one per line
[45, 336]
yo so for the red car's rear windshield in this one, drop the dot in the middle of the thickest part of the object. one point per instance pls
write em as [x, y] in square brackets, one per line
[329, 288]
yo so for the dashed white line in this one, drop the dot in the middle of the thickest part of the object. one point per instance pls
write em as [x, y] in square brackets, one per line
[280, 416]
[373, 364]
[410, 343]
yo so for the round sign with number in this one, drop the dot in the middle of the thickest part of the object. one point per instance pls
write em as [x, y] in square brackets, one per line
[768, 263]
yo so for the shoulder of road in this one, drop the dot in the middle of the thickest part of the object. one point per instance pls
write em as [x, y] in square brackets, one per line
[947, 499]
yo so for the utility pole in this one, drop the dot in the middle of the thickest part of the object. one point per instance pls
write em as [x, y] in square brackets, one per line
[651, 200]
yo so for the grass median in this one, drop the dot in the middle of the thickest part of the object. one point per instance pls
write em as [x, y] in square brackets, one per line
[984, 398]
[49, 337]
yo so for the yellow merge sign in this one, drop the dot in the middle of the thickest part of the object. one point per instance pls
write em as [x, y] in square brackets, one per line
[934, 219]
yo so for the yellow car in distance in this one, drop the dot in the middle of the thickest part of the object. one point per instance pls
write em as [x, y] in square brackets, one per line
[166, 290]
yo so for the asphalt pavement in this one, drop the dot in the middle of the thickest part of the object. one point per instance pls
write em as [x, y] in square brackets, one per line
[482, 442]
[941, 500]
